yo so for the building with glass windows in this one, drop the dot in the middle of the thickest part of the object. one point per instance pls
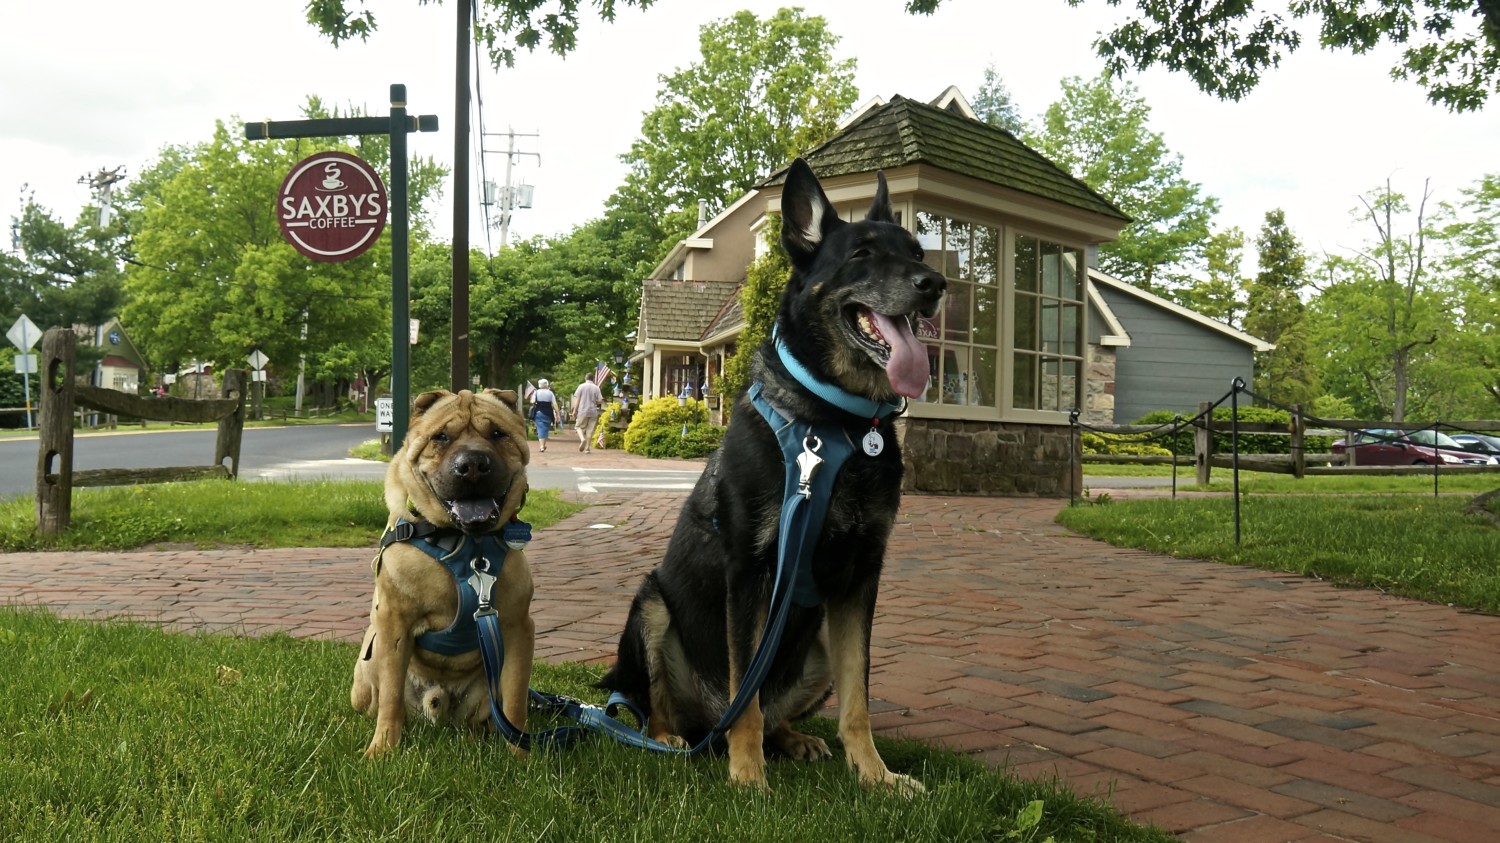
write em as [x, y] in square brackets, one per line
[1025, 333]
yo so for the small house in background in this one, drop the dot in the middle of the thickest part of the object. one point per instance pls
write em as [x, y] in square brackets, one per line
[1025, 333]
[122, 367]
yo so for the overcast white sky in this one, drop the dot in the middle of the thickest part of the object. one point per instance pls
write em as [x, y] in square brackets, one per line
[95, 84]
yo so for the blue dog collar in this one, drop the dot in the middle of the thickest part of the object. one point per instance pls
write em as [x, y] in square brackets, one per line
[858, 405]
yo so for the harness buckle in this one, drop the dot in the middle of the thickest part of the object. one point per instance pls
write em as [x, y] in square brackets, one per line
[483, 582]
[807, 464]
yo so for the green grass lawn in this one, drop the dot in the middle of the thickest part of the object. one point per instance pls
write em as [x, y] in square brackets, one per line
[1409, 544]
[209, 513]
[122, 732]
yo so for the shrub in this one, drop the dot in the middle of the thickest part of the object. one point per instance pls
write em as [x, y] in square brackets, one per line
[1250, 443]
[662, 428]
[1095, 443]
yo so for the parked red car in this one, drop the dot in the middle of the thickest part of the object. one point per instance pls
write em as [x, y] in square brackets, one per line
[1409, 447]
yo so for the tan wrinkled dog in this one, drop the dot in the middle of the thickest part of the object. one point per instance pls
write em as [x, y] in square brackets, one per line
[462, 469]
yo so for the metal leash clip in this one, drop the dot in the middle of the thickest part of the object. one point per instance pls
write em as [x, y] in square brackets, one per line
[483, 583]
[807, 463]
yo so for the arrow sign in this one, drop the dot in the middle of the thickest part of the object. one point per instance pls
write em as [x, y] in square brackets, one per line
[24, 333]
[257, 360]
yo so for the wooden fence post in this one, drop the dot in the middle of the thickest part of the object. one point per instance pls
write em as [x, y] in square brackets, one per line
[1299, 436]
[1203, 441]
[54, 464]
[232, 426]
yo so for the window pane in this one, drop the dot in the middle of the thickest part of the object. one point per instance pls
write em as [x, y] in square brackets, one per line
[985, 376]
[1068, 396]
[960, 243]
[956, 311]
[1026, 322]
[1023, 381]
[1071, 260]
[987, 314]
[1072, 328]
[1050, 341]
[1049, 384]
[930, 235]
[1026, 263]
[955, 376]
[1051, 260]
[986, 255]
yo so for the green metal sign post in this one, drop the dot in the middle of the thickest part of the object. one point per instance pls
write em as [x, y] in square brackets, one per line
[397, 125]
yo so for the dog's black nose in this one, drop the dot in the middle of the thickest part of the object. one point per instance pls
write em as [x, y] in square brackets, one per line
[472, 465]
[931, 283]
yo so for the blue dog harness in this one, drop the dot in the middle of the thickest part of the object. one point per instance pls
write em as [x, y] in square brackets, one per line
[462, 556]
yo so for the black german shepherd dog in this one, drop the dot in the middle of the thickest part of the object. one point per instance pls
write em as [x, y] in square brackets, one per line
[847, 316]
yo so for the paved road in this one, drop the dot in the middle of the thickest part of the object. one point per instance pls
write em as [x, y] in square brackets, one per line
[318, 451]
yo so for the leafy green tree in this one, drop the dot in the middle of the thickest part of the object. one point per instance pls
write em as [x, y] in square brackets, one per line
[1382, 314]
[1471, 273]
[63, 274]
[1276, 314]
[212, 278]
[1217, 294]
[994, 104]
[542, 308]
[1450, 47]
[760, 298]
[1100, 132]
[761, 92]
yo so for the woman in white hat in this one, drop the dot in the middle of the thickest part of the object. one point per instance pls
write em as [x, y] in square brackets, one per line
[544, 410]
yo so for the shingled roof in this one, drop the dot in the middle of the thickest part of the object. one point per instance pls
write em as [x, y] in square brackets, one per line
[682, 310]
[904, 132]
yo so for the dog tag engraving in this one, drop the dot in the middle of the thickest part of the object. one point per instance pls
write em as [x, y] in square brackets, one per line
[873, 444]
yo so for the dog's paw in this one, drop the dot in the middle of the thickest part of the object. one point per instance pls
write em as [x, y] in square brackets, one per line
[750, 776]
[377, 749]
[896, 783]
[435, 704]
[674, 741]
[800, 747]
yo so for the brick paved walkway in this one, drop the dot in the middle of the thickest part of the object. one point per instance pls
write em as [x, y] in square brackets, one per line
[1224, 704]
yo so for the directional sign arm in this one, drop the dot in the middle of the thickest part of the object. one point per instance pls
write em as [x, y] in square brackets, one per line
[334, 127]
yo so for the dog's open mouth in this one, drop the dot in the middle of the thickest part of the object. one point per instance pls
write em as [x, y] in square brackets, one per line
[476, 515]
[890, 341]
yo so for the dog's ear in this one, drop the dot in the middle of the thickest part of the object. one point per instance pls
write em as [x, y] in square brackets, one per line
[425, 401]
[807, 216]
[880, 209]
[508, 397]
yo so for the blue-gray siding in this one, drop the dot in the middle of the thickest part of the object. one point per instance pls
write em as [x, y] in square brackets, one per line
[1172, 362]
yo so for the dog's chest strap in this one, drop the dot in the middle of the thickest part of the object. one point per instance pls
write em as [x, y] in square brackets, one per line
[812, 455]
[474, 563]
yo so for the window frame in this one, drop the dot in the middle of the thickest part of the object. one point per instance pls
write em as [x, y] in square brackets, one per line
[1008, 229]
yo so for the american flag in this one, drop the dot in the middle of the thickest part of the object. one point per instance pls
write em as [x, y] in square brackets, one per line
[530, 388]
[602, 372]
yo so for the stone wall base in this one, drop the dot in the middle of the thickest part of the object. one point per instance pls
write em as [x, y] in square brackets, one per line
[987, 459]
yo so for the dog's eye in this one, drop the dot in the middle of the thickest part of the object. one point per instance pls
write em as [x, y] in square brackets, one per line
[860, 253]
[497, 434]
[440, 437]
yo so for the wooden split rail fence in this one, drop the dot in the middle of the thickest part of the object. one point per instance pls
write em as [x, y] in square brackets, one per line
[55, 476]
[1298, 462]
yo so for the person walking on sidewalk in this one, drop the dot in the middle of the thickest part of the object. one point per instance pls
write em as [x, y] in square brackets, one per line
[544, 410]
[587, 399]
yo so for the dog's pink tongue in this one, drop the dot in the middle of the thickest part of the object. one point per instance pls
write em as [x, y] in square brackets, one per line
[907, 368]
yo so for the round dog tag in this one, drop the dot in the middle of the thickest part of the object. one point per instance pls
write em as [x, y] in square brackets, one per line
[873, 443]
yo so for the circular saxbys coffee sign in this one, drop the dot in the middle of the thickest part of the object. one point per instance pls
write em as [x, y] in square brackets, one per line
[332, 206]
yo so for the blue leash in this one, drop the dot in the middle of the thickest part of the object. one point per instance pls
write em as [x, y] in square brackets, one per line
[813, 457]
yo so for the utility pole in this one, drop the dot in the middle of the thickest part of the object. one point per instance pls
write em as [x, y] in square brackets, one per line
[102, 183]
[510, 198]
